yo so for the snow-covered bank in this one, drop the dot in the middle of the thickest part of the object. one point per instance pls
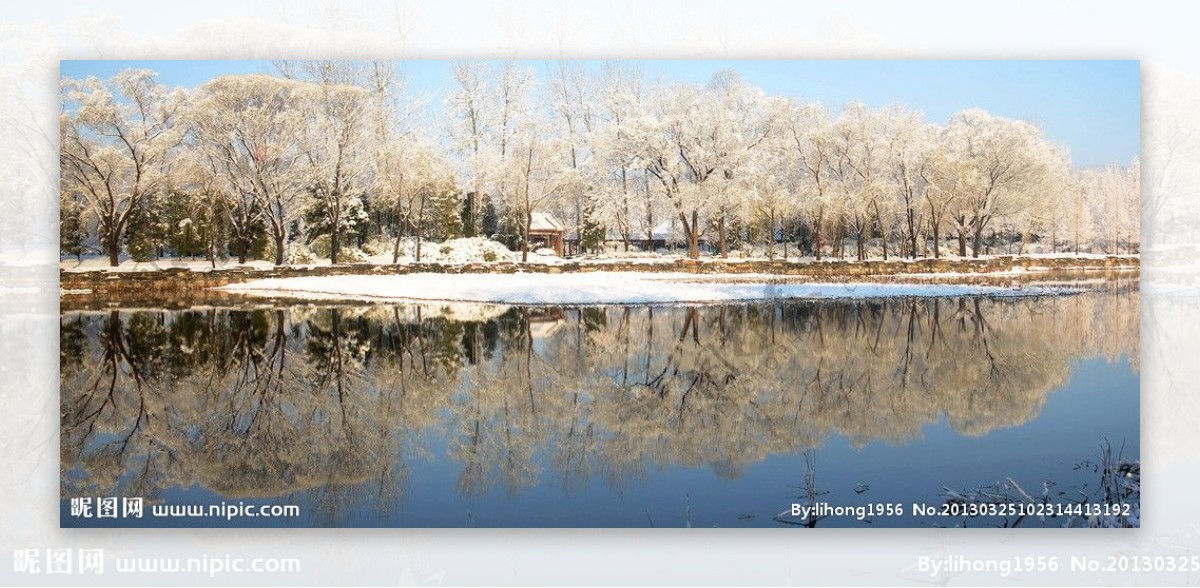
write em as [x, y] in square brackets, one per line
[599, 288]
[89, 264]
[478, 251]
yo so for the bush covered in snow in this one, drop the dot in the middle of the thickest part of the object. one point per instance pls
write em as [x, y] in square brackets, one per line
[300, 254]
[465, 250]
[462, 250]
[321, 247]
[631, 254]
[378, 245]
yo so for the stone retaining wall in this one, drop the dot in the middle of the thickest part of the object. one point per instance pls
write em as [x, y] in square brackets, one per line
[182, 279]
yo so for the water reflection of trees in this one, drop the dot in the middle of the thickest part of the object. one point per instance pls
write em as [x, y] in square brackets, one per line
[337, 401]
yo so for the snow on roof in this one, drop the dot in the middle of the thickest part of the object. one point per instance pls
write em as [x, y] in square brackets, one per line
[544, 221]
[669, 229]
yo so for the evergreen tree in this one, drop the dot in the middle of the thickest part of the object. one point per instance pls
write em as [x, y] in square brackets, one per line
[214, 228]
[591, 231]
[467, 215]
[353, 220]
[183, 235]
[72, 235]
[147, 229]
[508, 231]
[490, 221]
[444, 221]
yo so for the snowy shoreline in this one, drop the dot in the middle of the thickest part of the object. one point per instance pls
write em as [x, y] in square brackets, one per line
[602, 288]
[650, 261]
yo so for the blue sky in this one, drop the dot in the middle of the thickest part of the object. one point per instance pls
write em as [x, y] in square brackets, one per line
[1092, 107]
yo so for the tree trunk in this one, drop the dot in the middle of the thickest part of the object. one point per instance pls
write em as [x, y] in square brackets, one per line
[419, 226]
[279, 249]
[243, 250]
[525, 236]
[977, 241]
[912, 233]
[771, 237]
[937, 252]
[883, 236]
[859, 246]
[114, 251]
[693, 234]
[335, 244]
[396, 248]
[962, 243]
[721, 231]
[817, 238]
[694, 237]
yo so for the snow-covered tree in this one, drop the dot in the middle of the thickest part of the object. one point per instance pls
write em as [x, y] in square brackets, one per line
[484, 111]
[412, 178]
[859, 169]
[114, 137]
[469, 118]
[534, 170]
[947, 177]
[675, 142]
[909, 142]
[748, 119]
[336, 154]
[1112, 196]
[807, 131]
[574, 110]
[210, 214]
[1007, 163]
[770, 181]
[618, 185]
[326, 147]
[249, 132]
[72, 224]
[690, 140]
[1075, 220]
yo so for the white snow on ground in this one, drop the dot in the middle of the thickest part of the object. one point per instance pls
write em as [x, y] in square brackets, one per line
[453, 251]
[597, 288]
[475, 250]
[128, 265]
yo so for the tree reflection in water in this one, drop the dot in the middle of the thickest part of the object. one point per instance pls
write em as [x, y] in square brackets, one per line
[337, 401]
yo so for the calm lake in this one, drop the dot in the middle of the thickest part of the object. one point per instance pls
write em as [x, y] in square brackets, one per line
[451, 415]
